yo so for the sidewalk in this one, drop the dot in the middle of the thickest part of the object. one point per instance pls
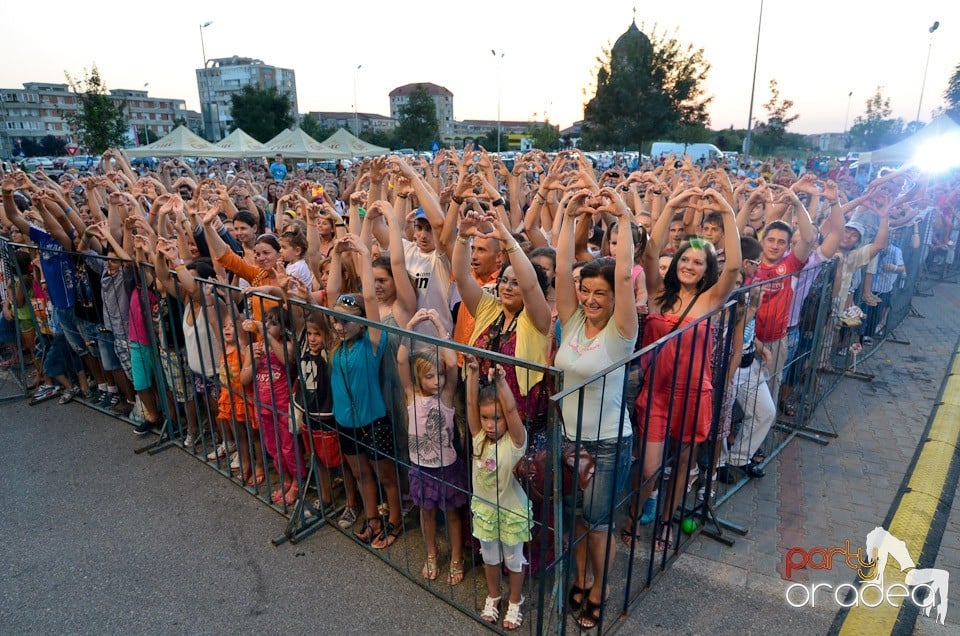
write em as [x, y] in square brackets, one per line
[820, 496]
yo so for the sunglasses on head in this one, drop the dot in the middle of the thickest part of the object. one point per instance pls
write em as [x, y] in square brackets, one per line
[348, 300]
[751, 261]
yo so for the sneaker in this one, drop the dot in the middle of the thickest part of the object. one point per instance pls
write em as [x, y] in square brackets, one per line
[104, 401]
[121, 407]
[69, 395]
[347, 518]
[145, 427]
[44, 391]
[867, 341]
[235, 461]
[221, 450]
[189, 442]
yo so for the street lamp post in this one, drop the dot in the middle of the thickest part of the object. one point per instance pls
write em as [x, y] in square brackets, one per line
[499, 84]
[356, 118]
[753, 87]
[923, 84]
[206, 80]
[846, 118]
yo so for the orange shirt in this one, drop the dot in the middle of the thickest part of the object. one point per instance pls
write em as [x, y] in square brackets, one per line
[463, 328]
[256, 276]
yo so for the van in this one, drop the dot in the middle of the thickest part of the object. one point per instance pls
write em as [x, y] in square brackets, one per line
[708, 152]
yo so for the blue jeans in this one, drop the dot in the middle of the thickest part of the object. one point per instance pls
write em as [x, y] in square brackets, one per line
[612, 459]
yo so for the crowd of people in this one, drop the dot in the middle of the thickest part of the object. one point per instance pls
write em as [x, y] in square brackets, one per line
[194, 297]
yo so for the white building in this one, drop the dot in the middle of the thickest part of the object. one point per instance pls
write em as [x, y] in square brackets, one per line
[227, 76]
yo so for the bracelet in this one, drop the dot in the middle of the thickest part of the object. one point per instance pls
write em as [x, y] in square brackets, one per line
[499, 203]
[180, 267]
[543, 199]
[68, 211]
[458, 200]
[5, 191]
[340, 224]
[513, 248]
[402, 196]
[178, 263]
[463, 239]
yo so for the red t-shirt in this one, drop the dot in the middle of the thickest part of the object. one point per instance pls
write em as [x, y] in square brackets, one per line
[773, 315]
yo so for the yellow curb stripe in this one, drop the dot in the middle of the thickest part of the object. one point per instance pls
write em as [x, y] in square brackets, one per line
[914, 515]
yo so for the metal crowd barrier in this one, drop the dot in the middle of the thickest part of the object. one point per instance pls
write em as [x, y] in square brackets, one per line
[667, 379]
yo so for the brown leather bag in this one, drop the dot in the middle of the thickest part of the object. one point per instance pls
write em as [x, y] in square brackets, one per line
[532, 469]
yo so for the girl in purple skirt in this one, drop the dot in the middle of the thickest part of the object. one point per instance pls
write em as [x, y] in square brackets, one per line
[438, 477]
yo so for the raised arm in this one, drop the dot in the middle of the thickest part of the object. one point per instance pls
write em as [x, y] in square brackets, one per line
[567, 300]
[727, 282]
[625, 304]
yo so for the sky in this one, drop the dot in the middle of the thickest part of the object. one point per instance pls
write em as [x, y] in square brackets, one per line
[818, 51]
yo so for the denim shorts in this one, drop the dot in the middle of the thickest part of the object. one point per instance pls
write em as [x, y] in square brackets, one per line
[106, 345]
[81, 334]
[612, 460]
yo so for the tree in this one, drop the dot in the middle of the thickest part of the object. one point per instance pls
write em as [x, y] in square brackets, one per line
[311, 125]
[418, 127]
[646, 89]
[383, 138]
[774, 129]
[53, 146]
[98, 122]
[875, 129]
[261, 113]
[952, 94]
[544, 136]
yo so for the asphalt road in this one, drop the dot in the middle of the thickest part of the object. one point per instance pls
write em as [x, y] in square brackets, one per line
[100, 540]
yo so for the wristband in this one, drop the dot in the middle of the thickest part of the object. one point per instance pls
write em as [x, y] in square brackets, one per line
[458, 200]
[179, 268]
[362, 212]
[402, 196]
[5, 191]
[499, 202]
[340, 224]
[178, 263]
[68, 211]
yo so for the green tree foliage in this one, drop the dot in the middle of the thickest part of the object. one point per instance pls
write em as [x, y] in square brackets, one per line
[770, 134]
[647, 88]
[99, 122]
[952, 94]
[875, 128]
[418, 127]
[311, 125]
[261, 113]
[544, 136]
[53, 146]
[383, 138]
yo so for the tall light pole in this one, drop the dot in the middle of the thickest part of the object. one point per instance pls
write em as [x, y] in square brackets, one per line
[499, 59]
[923, 84]
[206, 80]
[843, 137]
[146, 134]
[753, 87]
[356, 119]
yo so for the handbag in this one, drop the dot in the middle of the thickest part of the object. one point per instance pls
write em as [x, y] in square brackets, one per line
[532, 469]
[326, 446]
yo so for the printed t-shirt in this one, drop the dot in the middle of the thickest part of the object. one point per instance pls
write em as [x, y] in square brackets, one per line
[774, 312]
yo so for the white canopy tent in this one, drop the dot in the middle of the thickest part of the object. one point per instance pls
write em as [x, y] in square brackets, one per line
[941, 129]
[343, 141]
[181, 142]
[297, 144]
[239, 145]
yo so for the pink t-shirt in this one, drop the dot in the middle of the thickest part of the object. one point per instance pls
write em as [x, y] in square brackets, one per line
[138, 325]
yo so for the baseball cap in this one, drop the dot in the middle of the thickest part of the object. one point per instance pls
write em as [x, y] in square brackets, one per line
[420, 215]
[857, 226]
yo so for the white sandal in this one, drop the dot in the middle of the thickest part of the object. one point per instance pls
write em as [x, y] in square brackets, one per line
[491, 610]
[513, 616]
